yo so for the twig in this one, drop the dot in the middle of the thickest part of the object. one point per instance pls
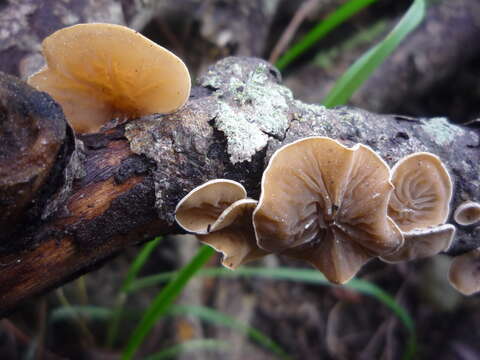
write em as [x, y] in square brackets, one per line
[307, 7]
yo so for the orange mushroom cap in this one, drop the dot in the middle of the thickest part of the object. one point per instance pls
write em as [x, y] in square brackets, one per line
[97, 72]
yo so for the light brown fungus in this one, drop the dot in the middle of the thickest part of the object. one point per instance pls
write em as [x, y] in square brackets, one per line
[327, 204]
[97, 72]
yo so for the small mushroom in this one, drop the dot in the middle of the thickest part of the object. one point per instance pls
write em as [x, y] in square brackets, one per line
[422, 243]
[464, 274]
[423, 190]
[467, 213]
[202, 206]
[97, 72]
[234, 236]
[327, 204]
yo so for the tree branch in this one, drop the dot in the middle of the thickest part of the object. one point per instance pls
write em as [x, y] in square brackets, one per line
[135, 174]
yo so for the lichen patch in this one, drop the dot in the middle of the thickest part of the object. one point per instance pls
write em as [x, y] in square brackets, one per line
[253, 105]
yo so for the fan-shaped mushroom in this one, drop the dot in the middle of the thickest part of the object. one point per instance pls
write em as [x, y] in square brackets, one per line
[464, 274]
[423, 190]
[419, 205]
[97, 72]
[467, 213]
[221, 217]
[202, 206]
[422, 243]
[327, 204]
[234, 236]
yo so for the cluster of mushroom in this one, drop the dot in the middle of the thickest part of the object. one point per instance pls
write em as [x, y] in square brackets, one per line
[464, 273]
[99, 72]
[333, 206]
[336, 208]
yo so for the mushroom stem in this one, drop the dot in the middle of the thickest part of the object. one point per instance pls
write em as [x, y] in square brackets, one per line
[130, 188]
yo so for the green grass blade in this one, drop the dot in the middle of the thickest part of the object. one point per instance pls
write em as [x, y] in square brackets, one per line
[206, 314]
[139, 262]
[188, 346]
[306, 276]
[336, 18]
[63, 313]
[218, 318]
[133, 270]
[354, 77]
[164, 299]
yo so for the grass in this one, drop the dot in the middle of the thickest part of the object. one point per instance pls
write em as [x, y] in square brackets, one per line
[363, 68]
[309, 276]
[121, 298]
[164, 299]
[216, 317]
[206, 314]
[322, 29]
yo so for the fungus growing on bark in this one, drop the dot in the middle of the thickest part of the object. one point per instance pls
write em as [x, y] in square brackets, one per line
[467, 213]
[422, 243]
[327, 204]
[233, 235]
[464, 274]
[97, 72]
[221, 217]
[419, 205]
[202, 206]
[423, 190]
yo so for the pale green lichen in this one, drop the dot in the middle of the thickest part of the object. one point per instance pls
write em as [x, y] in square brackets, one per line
[243, 138]
[441, 131]
[313, 114]
[252, 107]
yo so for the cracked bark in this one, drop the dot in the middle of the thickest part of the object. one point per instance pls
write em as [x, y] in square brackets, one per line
[236, 117]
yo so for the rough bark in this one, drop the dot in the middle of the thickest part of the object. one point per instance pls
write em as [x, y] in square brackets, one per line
[134, 175]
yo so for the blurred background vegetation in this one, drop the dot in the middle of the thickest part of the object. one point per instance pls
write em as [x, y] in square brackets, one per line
[169, 298]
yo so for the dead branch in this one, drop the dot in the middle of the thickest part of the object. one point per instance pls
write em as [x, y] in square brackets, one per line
[123, 184]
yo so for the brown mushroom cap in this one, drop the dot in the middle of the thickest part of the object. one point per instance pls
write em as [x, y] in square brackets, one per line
[423, 190]
[234, 236]
[422, 243]
[97, 72]
[202, 206]
[464, 274]
[327, 204]
[467, 213]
